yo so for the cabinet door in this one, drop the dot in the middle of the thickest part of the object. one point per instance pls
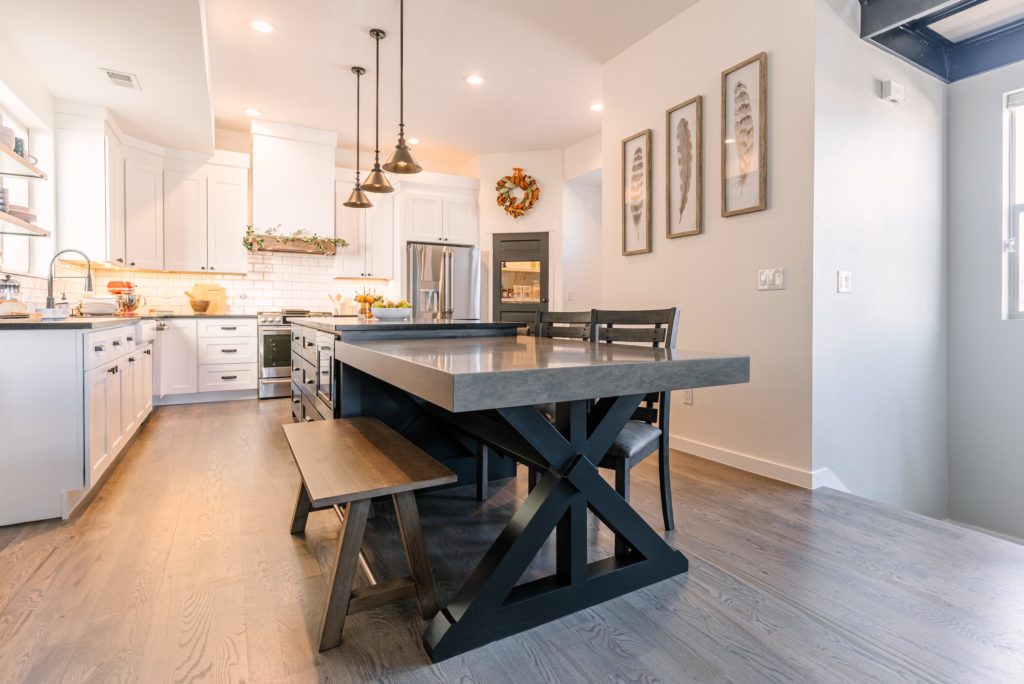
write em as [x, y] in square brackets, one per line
[178, 358]
[422, 215]
[350, 261]
[460, 221]
[115, 427]
[185, 220]
[129, 370]
[143, 215]
[97, 456]
[379, 238]
[145, 383]
[116, 235]
[227, 212]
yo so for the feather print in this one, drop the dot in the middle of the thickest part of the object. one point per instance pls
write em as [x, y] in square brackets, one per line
[636, 189]
[743, 120]
[684, 155]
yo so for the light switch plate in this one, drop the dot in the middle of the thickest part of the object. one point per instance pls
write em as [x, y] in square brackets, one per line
[771, 279]
[688, 397]
[844, 282]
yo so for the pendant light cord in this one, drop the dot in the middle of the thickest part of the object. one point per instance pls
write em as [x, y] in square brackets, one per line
[401, 67]
[376, 128]
[358, 78]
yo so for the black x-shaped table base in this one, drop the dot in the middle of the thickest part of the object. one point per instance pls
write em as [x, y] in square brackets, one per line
[490, 606]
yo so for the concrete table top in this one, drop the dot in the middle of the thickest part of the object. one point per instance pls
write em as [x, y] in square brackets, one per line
[480, 373]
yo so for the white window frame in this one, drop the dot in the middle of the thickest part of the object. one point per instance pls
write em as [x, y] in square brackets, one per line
[1015, 205]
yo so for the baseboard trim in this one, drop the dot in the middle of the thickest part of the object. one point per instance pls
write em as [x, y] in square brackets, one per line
[991, 533]
[205, 397]
[747, 462]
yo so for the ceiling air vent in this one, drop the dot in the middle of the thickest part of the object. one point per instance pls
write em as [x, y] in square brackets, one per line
[123, 79]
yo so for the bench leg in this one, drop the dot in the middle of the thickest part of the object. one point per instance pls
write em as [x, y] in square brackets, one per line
[416, 552]
[340, 586]
[302, 508]
[482, 456]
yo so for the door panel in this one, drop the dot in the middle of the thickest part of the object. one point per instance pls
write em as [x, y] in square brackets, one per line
[144, 215]
[96, 417]
[178, 358]
[185, 221]
[423, 216]
[116, 236]
[115, 427]
[379, 238]
[227, 214]
[460, 220]
[127, 376]
[520, 284]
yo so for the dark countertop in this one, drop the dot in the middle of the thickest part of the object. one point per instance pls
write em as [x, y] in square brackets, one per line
[479, 373]
[356, 328]
[96, 322]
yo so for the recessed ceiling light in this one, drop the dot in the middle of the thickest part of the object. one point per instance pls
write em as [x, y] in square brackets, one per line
[413, 141]
[473, 79]
[250, 111]
[597, 107]
[261, 25]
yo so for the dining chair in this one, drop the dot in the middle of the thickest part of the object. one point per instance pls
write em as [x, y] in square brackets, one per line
[648, 429]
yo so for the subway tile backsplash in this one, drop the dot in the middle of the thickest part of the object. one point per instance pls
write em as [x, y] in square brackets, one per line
[274, 281]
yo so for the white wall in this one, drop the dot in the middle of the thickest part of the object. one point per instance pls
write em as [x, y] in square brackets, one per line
[546, 216]
[986, 367]
[581, 245]
[582, 158]
[879, 412]
[764, 426]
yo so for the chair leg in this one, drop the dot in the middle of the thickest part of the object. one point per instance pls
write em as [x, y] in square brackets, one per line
[482, 477]
[302, 508]
[622, 487]
[345, 563]
[666, 485]
[416, 552]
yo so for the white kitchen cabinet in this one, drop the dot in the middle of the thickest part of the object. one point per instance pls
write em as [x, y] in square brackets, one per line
[370, 234]
[144, 215]
[178, 357]
[128, 372]
[439, 216]
[184, 220]
[97, 454]
[144, 388]
[461, 225]
[227, 215]
[116, 230]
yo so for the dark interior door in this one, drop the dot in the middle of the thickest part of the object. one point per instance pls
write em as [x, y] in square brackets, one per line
[520, 287]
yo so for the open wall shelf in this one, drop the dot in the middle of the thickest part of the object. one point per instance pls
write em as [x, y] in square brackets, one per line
[13, 164]
[12, 225]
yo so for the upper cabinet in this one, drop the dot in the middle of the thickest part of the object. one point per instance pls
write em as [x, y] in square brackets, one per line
[227, 197]
[439, 216]
[370, 234]
[184, 220]
[141, 198]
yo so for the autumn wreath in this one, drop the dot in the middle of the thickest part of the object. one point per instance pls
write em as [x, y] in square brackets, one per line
[517, 206]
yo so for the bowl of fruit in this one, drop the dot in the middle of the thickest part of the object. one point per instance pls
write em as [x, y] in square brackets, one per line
[388, 310]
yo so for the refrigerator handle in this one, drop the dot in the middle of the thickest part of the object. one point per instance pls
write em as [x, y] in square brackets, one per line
[449, 297]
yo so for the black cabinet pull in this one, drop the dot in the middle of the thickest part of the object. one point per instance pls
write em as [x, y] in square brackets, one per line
[229, 351]
[116, 343]
[130, 339]
[99, 348]
[229, 327]
[310, 382]
[296, 401]
[148, 351]
[310, 344]
[229, 377]
[131, 359]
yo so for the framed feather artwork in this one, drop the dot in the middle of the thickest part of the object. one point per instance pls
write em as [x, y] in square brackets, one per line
[636, 194]
[744, 139]
[684, 169]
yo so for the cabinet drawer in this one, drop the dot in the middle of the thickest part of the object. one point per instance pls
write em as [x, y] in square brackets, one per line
[97, 349]
[298, 369]
[227, 327]
[304, 343]
[308, 381]
[227, 350]
[296, 403]
[309, 412]
[227, 376]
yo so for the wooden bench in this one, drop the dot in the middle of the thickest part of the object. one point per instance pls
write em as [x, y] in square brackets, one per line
[347, 462]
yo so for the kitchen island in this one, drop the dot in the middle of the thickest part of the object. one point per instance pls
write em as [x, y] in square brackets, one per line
[484, 390]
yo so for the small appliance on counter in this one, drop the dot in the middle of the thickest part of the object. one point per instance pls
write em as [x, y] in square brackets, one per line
[10, 298]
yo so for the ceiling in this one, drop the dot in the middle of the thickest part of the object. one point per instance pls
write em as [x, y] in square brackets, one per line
[541, 61]
[69, 42]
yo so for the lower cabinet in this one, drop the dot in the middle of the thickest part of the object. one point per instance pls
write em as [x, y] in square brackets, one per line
[178, 356]
[118, 397]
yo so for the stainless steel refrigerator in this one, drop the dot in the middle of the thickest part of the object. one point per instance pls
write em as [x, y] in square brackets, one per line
[443, 281]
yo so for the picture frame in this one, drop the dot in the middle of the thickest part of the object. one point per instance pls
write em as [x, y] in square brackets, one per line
[637, 226]
[684, 168]
[744, 137]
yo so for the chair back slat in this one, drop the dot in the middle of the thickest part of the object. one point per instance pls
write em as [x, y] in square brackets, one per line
[566, 325]
[656, 326]
[649, 335]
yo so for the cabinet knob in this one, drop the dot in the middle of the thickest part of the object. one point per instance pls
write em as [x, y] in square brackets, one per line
[119, 260]
[99, 348]
[131, 359]
[202, 268]
[211, 268]
[148, 351]
[132, 263]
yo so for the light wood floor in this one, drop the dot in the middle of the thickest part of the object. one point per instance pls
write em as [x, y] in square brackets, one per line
[183, 570]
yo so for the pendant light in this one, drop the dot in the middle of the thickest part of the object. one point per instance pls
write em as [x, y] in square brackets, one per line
[377, 181]
[401, 160]
[358, 198]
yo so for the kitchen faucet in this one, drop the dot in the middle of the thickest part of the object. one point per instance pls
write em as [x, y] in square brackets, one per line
[49, 281]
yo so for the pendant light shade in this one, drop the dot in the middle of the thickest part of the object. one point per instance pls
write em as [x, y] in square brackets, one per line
[401, 160]
[377, 180]
[358, 198]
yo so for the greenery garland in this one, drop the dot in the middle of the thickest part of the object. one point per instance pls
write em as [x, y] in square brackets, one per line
[254, 241]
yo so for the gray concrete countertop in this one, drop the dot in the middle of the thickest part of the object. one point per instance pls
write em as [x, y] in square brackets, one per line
[352, 327]
[97, 322]
[478, 373]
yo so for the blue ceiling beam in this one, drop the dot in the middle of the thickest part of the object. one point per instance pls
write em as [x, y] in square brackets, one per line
[882, 16]
[986, 52]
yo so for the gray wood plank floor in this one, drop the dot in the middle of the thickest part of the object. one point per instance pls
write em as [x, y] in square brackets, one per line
[182, 569]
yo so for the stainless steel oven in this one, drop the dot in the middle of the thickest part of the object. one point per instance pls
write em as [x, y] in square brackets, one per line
[275, 350]
[325, 371]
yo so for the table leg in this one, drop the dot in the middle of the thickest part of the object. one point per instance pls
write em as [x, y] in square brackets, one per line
[490, 606]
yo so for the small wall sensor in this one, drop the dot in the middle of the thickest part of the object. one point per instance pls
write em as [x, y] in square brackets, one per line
[893, 92]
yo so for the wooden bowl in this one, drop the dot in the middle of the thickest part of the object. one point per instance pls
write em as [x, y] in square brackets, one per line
[199, 305]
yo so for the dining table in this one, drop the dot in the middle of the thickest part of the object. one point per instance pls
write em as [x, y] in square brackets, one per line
[448, 394]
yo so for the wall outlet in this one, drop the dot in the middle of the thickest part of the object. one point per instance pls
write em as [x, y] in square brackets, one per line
[771, 279]
[844, 282]
[568, 295]
[688, 397]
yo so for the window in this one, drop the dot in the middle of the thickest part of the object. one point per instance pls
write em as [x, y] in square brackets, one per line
[1015, 194]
